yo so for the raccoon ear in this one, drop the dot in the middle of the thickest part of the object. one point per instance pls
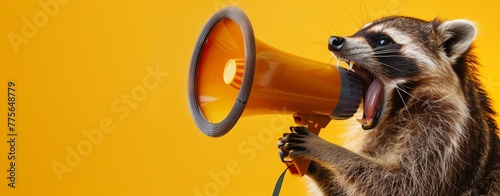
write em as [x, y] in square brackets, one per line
[456, 36]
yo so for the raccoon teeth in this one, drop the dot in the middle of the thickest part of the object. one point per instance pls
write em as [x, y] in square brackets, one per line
[351, 64]
[338, 60]
[365, 122]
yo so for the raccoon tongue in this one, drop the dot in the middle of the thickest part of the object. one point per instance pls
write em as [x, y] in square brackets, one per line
[372, 98]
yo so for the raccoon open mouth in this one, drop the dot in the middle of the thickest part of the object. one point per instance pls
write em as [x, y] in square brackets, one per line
[372, 96]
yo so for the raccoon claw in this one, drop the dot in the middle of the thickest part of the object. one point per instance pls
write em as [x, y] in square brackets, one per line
[280, 145]
[282, 156]
[299, 130]
[284, 151]
[293, 143]
[282, 142]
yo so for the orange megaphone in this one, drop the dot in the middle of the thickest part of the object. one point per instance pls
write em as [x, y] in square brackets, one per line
[233, 74]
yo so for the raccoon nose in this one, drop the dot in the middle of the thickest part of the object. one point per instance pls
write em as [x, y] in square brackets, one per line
[335, 43]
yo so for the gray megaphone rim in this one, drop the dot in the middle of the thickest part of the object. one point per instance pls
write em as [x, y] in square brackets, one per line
[224, 126]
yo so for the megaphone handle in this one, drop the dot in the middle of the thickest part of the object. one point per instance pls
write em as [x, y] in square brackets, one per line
[314, 123]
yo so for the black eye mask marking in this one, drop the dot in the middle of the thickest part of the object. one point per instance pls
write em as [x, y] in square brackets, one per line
[390, 56]
[384, 41]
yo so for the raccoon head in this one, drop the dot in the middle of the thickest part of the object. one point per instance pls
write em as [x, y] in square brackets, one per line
[396, 53]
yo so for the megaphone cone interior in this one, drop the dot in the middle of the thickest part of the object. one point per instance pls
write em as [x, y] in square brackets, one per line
[233, 74]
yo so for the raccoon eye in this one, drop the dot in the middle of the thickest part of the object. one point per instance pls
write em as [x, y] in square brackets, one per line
[384, 40]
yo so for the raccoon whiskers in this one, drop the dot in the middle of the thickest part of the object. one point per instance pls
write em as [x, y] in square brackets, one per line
[352, 17]
[386, 48]
[331, 59]
[403, 101]
[363, 12]
[386, 52]
[399, 87]
[398, 12]
[391, 66]
[330, 25]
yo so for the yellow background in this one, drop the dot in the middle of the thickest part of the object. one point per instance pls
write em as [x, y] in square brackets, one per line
[86, 57]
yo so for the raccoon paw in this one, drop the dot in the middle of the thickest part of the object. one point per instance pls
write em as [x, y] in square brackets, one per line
[299, 143]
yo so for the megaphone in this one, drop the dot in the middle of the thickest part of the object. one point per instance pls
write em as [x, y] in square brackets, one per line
[232, 74]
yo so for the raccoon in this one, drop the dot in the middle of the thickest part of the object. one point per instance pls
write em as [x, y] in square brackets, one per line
[429, 126]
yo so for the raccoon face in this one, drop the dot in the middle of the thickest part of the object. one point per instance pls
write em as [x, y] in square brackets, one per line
[396, 53]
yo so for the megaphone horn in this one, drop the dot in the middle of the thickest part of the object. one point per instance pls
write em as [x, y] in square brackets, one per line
[233, 74]
[219, 42]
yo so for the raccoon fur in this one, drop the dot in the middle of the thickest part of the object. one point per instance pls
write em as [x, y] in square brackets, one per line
[429, 126]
